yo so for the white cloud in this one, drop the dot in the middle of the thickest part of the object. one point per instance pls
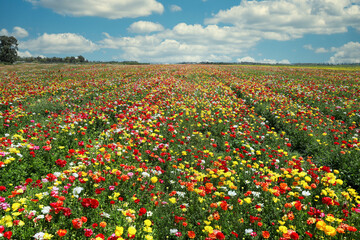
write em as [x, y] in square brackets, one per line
[4, 32]
[321, 50]
[112, 9]
[317, 50]
[308, 47]
[17, 32]
[62, 43]
[184, 43]
[145, 27]
[28, 54]
[289, 19]
[348, 53]
[24, 54]
[265, 61]
[175, 8]
[246, 59]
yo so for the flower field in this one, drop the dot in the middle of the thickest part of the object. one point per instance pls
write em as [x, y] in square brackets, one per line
[179, 152]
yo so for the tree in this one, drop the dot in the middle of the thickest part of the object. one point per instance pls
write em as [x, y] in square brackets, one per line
[81, 59]
[8, 49]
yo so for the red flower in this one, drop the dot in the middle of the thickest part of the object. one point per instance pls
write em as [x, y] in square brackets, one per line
[328, 201]
[77, 223]
[8, 234]
[265, 234]
[94, 203]
[88, 232]
[294, 236]
[142, 211]
[61, 232]
[220, 235]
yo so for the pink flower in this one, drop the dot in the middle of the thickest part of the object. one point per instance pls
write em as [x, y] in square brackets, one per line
[88, 232]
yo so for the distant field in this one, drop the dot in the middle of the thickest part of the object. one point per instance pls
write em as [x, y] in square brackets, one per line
[179, 152]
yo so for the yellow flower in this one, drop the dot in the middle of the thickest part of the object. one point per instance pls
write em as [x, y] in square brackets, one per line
[330, 218]
[330, 231]
[15, 206]
[47, 236]
[147, 223]
[283, 229]
[209, 229]
[119, 231]
[148, 237]
[172, 200]
[131, 231]
[247, 200]
[321, 225]
[154, 179]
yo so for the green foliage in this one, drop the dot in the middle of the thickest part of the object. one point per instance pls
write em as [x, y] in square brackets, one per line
[8, 49]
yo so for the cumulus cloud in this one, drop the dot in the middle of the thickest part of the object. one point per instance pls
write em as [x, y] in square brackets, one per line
[321, 50]
[184, 43]
[24, 54]
[265, 61]
[28, 54]
[289, 19]
[246, 59]
[316, 50]
[145, 27]
[17, 32]
[112, 9]
[4, 32]
[62, 43]
[175, 8]
[348, 53]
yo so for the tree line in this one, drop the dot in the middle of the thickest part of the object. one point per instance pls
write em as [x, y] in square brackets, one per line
[72, 59]
[9, 54]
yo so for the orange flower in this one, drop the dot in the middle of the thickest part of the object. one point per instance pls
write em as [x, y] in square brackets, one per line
[191, 234]
[103, 224]
[265, 234]
[290, 216]
[77, 223]
[61, 232]
[84, 219]
[288, 205]
[209, 186]
[283, 186]
[213, 205]
[216, 216]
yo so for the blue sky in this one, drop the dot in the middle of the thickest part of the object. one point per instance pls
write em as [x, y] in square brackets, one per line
[171, 31]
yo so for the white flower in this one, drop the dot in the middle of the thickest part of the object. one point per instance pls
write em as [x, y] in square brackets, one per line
[145, 174]
[77, 191]
[181, 194]
[248, 231]
[45, 210]
[39, 235]
[104, 214]
[149, 213]
[57, 174]
[173, 231]
[256, 194]
[232, 193]
[305, 193]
